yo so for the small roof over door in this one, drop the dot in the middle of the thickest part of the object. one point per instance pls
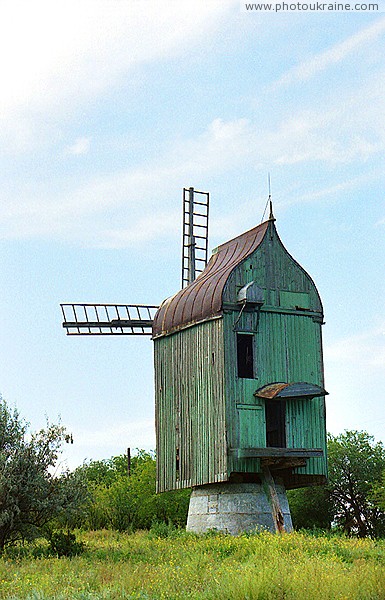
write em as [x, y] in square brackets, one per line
[299, 389]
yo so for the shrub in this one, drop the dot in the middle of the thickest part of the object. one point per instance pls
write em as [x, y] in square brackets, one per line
[64, 543]
[30, 495]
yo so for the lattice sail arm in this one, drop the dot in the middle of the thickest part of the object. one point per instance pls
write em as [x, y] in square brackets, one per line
[108, 319]
[195, 234]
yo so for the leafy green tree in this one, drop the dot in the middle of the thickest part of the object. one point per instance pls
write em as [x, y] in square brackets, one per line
[105, 471]
[30, 495]
[311, 507]
[379, 492]
[125, 502]
[73, 499]
[356, 466]
[150, 507]
[354, 499]
[110, 504]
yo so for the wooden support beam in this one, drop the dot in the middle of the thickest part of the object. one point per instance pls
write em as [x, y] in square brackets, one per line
[269, 485]
[275, 452]
[276, 464]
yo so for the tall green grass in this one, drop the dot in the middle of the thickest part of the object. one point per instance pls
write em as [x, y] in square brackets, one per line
[143, 566]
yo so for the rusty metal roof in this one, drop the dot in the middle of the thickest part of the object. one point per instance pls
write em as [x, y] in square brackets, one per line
[202, 299]
[299, 389]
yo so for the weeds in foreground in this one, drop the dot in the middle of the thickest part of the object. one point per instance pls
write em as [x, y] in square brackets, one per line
[172, 564]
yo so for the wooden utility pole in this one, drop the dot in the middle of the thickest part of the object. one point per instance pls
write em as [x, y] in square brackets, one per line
[128, 461]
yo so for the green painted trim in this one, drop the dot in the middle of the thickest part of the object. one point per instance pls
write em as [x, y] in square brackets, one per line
[276, 452]
[229, 307]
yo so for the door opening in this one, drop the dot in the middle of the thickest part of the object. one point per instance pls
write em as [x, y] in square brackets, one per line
[275, 411]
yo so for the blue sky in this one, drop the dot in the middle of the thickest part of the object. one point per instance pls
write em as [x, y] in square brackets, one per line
[108, 109]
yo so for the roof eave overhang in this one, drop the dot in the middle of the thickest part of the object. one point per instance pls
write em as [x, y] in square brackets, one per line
[184, 326]
[281, 390]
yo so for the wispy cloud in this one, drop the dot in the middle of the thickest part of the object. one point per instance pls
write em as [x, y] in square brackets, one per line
[98, 444]
[333, 191]
[138, 432]
[138, 194]
[349, 128]
[337, 53]
[80, 146]
[365, 349]
[63, 54]
[354, 370]
[60, 54]
[156, 225]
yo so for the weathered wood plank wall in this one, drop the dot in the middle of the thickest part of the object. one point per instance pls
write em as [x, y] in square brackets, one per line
[190, 409]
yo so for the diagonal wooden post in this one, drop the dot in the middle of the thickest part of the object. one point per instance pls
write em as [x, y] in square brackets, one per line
[269, 485]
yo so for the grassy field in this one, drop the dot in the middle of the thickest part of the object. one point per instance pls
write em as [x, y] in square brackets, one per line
[143, 566]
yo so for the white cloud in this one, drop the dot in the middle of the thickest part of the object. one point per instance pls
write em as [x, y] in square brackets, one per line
[363, 350]
[99, 444]
[332, 56]
[332, 191]
[138, 432]
[142, 195]
[57, 54]
[80, 146]
[350, 127]
[354, 371]
[158, 224]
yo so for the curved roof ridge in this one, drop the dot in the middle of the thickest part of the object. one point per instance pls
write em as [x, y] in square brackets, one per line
[202, 299]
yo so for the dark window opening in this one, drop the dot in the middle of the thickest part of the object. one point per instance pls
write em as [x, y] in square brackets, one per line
[245, 355]
[177, 461]
[275, 411]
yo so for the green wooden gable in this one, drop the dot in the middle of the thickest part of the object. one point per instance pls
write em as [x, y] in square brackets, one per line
[238, 370]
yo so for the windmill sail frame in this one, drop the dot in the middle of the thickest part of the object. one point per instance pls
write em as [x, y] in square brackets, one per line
[195, 234]
[137, 319]
[108, 319]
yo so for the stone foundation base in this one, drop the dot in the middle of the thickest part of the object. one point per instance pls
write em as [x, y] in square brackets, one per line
[235, 508]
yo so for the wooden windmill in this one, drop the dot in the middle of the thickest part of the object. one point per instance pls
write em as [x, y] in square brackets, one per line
[239, 385]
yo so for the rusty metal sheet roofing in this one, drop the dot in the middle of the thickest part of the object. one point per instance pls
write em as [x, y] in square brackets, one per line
[299, 389]
[202, 299]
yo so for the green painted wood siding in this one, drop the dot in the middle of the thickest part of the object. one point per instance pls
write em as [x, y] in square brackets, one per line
[275, 270]
[245, 416]
[190, 406]
[287, 348]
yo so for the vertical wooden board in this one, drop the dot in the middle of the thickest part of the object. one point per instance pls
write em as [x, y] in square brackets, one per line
[272, 352]
[190, 406]
[245, 426]
[164, 406]
[251, 427]
[306, 425]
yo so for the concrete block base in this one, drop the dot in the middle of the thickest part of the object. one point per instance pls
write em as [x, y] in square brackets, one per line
[235, 508]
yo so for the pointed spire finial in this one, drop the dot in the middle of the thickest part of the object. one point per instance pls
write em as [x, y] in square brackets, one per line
[270, 203]
[271, 215]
